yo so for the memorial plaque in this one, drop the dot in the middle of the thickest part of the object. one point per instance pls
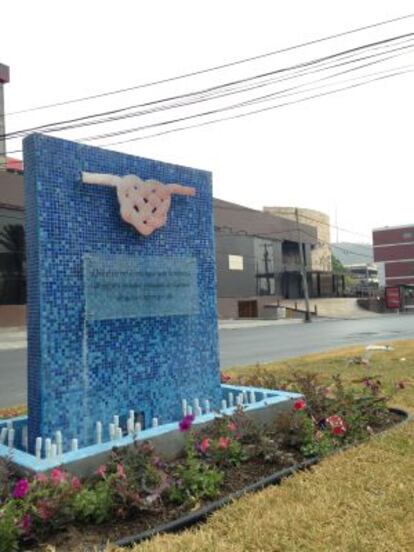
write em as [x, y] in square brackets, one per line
[126, 286]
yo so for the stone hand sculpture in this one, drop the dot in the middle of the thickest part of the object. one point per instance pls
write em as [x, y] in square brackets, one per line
[144, 203]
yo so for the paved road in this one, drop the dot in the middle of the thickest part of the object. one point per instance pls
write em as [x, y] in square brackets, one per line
[247, 345]
[240, 347]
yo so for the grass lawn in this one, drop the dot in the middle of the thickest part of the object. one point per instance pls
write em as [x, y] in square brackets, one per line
[361, 500]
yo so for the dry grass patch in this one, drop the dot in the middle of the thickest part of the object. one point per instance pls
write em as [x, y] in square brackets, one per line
[359, 500]
[13, 411]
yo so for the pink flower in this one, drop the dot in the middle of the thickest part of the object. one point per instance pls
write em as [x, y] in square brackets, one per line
[26, 523]
[186, 423]
[224, 378]
[231, 426]
[75, 483]
[337, 425]
[120, 471]
[101, 471]
[21, 489]
[300, 404]
[205, 443]
[223, 443]
[42, 478]
[337, 430]
[43, 510]
[57, 476]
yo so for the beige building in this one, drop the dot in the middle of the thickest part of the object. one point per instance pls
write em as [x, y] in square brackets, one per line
[321, 256]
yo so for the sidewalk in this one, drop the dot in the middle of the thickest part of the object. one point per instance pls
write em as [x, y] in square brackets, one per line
[254, 323]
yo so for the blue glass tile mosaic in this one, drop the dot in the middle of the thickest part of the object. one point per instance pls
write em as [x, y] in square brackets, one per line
[84, 368]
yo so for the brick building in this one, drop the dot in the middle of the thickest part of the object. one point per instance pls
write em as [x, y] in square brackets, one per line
[394, 246]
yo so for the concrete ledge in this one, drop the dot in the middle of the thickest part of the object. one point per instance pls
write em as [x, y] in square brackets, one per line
[167, 439]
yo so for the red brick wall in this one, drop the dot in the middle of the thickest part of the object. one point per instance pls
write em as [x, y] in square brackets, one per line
[394, 253]
[399, 269]
[394, 235]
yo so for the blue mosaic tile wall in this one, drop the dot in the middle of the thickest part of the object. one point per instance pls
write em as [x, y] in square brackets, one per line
[83, 370]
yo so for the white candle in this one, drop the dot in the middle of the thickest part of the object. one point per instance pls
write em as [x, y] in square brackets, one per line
[98, 433]
[25, 440]
[59, 447]
[130, 426]
[112, 431]
[38, 448]
[3, 435]
[48, 446]
[11, 438]
[184, 406]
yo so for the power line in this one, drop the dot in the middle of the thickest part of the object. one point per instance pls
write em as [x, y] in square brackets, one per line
[391, 73]
[394, 72]
[215, 92]
[302, 216]
[269, 235]
[267, 97]
[216, 67]
[240, 115]
[294, 90]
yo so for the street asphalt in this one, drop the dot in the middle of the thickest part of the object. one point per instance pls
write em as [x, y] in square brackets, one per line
[243, 343]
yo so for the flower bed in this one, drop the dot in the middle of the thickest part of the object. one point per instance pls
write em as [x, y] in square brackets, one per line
[136, 490]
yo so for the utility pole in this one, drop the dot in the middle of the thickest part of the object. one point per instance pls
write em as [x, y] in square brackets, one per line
[303, 270]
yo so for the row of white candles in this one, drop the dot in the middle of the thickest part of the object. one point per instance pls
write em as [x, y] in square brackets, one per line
[239, 399]
[54, 448]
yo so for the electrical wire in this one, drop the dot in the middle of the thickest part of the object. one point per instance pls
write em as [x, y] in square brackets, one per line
[270, 234]
[229, 88]
[302, 216]
[218, 67]
[233, 117]
[390, 74]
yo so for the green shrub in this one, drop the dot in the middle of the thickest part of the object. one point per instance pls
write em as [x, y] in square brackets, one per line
[93, 505]
[9, 529]
[194, 480]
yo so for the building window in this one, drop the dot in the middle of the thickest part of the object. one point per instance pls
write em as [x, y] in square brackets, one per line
[235, 262]
[407, 235]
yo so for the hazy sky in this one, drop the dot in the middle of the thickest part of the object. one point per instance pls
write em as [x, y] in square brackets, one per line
[350, 151]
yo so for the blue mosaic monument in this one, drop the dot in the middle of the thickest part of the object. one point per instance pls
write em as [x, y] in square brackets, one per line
[122, 322]
[118, 320]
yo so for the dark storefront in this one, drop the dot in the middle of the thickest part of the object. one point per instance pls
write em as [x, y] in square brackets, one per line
[258, 261]
[12, 247]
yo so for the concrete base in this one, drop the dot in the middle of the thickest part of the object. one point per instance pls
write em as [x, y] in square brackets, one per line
[167, 439]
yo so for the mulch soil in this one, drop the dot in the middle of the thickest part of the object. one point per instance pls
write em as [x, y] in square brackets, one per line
[85, 538]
